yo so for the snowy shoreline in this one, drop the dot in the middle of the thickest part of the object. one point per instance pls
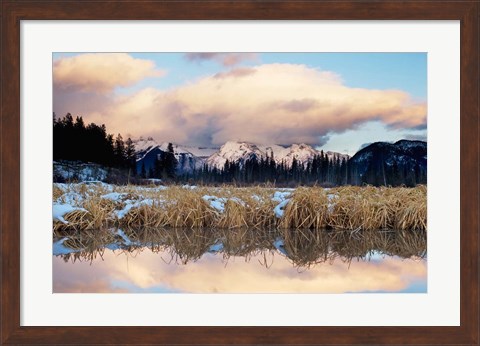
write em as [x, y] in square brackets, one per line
[91, 205]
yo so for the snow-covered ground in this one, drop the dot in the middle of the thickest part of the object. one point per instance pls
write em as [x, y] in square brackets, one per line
[79, 171]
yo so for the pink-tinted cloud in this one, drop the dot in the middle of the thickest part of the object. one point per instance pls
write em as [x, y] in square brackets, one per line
[273, 103]
[225, 59]
[236, 73]
[101, 72]
[298, 106]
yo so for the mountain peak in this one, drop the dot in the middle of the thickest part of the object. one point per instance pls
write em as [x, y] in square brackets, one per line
[235, 145]
[238, 151]
[235, 151]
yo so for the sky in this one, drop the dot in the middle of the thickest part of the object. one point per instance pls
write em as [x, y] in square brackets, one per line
[332, 101]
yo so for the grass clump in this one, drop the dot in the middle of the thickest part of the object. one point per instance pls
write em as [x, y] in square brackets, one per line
[76, 220]
[371, 208]
[186, 208]
[307, 208]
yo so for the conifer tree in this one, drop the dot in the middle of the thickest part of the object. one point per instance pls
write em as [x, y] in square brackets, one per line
[130, 156]
[169, 162]
[119, 151]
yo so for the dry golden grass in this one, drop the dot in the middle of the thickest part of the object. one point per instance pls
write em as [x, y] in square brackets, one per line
[145, 216]
[344, 208]
[245, 207]
[371, 208]
[57, 192]
[100, 212]
[186, 208]
[308, 208]
[234, 216]
[412, 211]
[77, 220]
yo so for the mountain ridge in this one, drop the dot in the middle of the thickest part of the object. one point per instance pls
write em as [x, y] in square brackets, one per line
[190, 158]
[403, 160]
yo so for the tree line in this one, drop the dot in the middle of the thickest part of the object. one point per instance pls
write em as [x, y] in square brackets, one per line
[380, 174]
[73, 140]
[321, 170]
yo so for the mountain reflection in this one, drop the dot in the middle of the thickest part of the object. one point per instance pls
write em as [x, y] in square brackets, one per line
[303, 248]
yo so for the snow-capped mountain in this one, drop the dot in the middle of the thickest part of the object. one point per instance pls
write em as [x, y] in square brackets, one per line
[235, 152]
[143, 146]
[372, 164]
[189, 158]
[242, 151]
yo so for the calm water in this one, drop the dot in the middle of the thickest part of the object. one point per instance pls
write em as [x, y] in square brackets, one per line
[242, 261]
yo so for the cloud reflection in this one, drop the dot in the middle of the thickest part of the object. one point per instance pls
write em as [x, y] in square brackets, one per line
[147, 272]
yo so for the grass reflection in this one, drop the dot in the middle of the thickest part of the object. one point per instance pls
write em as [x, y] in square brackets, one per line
[303, 247]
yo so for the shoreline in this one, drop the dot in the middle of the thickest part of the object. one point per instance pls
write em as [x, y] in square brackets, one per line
[89, 206]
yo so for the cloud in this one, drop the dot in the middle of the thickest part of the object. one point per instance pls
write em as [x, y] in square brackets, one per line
[271, 103]
[236, 73]
[79, 104]
[297, 106]
[225, 59]
[364, 145]
[101, 72]
[416, 137]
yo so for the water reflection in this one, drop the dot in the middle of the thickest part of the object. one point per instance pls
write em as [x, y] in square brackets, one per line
[240, 260]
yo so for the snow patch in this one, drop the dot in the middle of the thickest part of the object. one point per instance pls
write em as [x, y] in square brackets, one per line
[189, 187]
[280, 246]
[279, 209]
[126, 240]
[60, 210]
[115, 196]
[60, 249]
[280, 196]
[71, 198]
[129, 204]
[215, 202]
[218, 203]
[79, 171]
[257, 198]
[217, 247]
[332, 200]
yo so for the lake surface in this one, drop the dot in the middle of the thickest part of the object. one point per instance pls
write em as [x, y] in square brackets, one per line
[239, 261]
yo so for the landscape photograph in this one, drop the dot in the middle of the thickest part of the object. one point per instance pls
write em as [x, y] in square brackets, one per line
[239, 172]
